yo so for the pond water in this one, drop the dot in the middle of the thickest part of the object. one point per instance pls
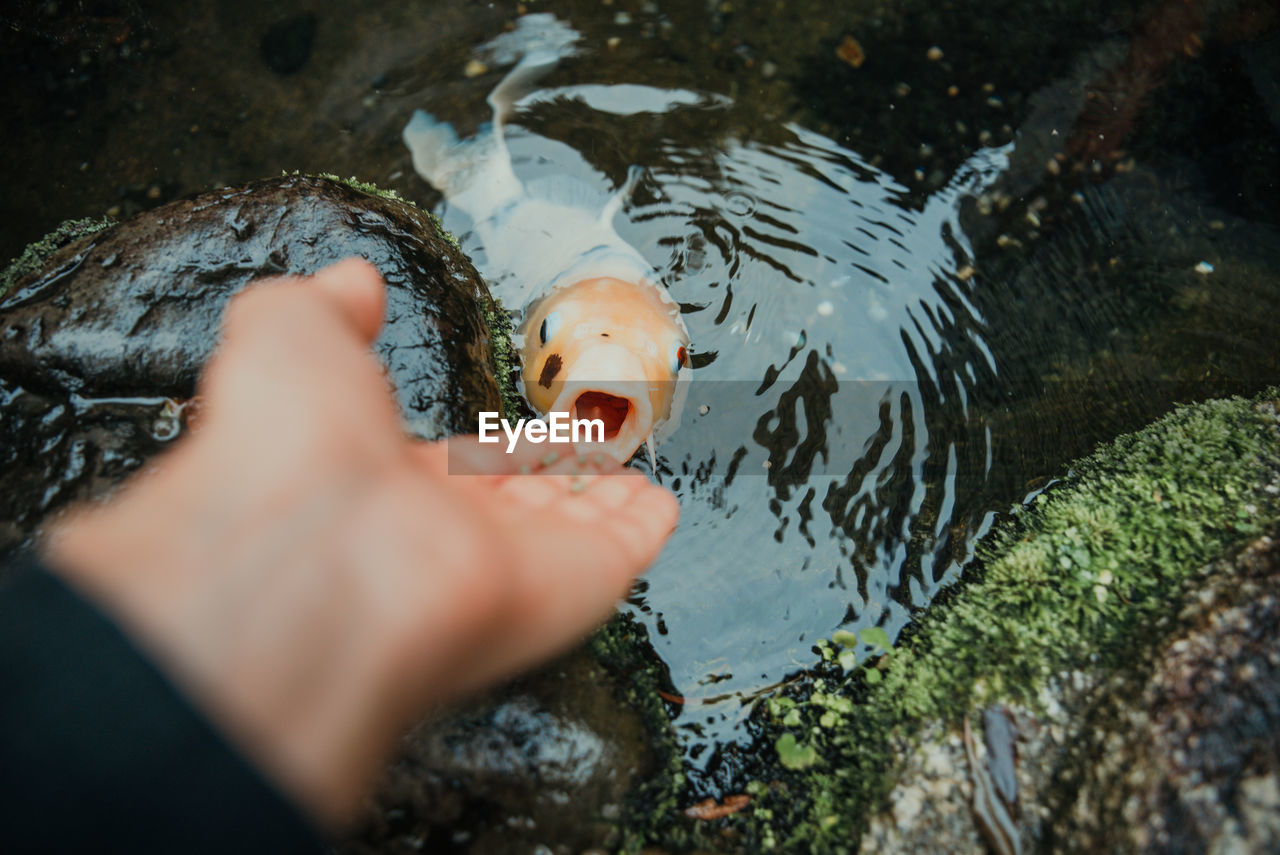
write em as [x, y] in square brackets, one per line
[909, 306]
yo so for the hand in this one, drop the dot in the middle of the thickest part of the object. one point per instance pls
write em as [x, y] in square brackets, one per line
[314, 579]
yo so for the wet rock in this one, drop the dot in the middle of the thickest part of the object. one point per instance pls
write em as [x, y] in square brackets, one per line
[113, 323]
[1179, 753]
[543, 766]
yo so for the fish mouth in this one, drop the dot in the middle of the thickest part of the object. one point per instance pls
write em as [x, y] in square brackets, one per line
[607, 382]
[627, 418]
[612, 410]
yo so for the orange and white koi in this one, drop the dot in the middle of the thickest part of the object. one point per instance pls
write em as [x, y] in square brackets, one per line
[600, 336]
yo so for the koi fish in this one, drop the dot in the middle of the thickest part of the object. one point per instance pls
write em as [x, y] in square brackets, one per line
[599, 337]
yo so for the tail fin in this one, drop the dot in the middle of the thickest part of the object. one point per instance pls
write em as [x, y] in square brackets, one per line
[611, 208]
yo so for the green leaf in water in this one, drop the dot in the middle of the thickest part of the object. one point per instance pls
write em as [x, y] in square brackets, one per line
[845, 638]
[792, 754]
[877, 637]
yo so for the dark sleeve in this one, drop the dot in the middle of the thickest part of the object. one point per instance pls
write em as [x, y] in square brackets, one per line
[99, 753]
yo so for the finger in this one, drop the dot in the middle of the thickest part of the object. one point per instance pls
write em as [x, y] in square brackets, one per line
[357, 291]
[467, 455]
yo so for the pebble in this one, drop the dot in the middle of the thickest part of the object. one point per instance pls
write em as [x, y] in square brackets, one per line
[1204, 268]
[907, 803]
[934, 53]
[475, 68]
[826, 309]
[622, 19]
[703, 410]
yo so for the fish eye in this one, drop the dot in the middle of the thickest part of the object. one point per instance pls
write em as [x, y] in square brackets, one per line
[679, 359]
[550, 326]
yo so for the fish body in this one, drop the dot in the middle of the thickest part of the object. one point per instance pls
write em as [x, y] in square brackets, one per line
[600, 337]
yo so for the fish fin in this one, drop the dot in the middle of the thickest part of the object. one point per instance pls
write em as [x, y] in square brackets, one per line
[611, 208]
[429, 141]
[480, 165]
[653, 458]
[518, 83]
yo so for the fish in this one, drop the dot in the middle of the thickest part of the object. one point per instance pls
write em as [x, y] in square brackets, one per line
[599, 335]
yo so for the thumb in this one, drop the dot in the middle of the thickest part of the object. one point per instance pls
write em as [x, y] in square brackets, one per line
[356, 289]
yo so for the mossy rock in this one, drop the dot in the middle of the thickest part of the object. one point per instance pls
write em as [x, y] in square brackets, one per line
[1081, 580]
[114, 319]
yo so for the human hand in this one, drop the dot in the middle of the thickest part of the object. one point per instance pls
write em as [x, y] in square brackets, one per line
[314, 579]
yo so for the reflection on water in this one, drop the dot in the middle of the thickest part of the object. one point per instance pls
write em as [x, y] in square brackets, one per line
[815, 491]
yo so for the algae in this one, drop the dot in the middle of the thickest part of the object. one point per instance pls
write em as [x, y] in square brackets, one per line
[1086, 572]
[35, 253]
[502, 356]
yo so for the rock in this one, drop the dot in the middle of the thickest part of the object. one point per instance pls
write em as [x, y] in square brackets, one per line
[1187, 758]
[543, 765]
[115, 322]
[1178, 753]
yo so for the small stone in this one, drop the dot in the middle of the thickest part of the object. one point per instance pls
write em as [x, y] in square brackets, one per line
[826, 309]
[768, 69]
[612, 42]
[704, 409]
[934, 53]
[1204, 268]
[902, 89]
[850, 52]
[907, 803]
[622, 19]
[474, 68]
[953, 91]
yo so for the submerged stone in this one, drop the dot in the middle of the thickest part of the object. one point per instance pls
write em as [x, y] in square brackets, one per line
[115, 322]
[544, 765]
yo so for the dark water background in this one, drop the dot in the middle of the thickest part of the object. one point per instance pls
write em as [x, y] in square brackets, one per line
[916, 287]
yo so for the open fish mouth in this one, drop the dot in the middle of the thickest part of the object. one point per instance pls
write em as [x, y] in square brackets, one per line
[612, 410]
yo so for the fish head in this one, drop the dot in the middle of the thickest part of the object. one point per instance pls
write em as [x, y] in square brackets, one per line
[606, 349]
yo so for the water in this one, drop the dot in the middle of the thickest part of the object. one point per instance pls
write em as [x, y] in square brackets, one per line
[903, 322]
[808, 280]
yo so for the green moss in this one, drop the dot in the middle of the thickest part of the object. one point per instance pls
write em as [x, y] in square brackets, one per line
[1087, 573]
[30, 259]
[622, 646]
[1088, 567]
[503, 356]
